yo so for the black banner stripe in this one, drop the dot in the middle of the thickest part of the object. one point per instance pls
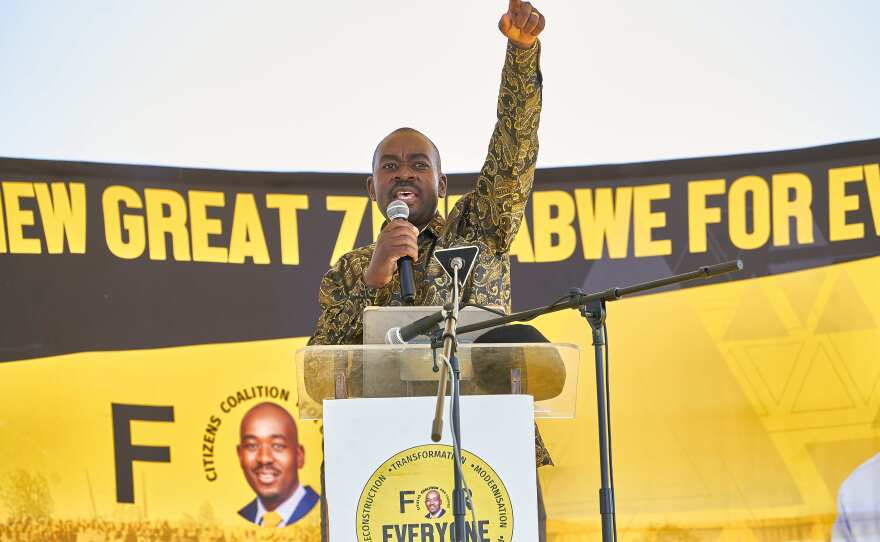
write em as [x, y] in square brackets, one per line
[55, 303]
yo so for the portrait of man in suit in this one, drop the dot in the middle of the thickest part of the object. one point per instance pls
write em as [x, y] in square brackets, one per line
[271, 456]
[434, 505]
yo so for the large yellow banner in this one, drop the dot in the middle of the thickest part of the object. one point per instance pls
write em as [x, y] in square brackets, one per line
[65, 453]
[738, 411]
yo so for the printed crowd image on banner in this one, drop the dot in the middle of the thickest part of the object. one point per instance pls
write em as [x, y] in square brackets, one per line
[149, 319]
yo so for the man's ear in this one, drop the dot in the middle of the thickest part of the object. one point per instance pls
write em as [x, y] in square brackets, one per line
[441, 186]
[371, 189]
[301, 457]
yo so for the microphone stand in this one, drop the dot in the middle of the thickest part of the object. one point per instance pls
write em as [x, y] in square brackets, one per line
[592, 308]
[450, 344]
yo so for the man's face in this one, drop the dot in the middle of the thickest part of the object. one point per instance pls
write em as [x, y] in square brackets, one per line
[270, 454]
[406, 168]
[432, 501]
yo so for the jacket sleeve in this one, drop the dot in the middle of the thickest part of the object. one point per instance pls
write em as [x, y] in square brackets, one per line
[494, 209]
[342, 298]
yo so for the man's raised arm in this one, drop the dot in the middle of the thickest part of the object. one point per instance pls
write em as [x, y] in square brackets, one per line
[505, 180]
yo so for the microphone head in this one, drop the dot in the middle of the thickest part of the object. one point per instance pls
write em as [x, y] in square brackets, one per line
[392, 336]
[397, 209]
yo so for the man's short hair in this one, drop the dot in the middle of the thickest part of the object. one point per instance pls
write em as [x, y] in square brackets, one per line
[271, 406]
[408, 129]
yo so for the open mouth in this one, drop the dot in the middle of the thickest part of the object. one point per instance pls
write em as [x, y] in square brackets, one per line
[405, 195]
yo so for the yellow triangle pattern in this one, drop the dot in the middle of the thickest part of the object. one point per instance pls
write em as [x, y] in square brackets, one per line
[822, 389]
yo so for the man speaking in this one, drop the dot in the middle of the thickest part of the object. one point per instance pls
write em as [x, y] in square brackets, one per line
[406, 167]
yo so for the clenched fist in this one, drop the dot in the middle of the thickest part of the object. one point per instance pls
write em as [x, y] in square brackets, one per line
[521, 24]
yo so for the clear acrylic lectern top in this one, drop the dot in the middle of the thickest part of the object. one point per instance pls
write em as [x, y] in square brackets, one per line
[546, 371]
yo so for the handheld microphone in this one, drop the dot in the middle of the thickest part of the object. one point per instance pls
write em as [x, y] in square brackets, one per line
[400, 210]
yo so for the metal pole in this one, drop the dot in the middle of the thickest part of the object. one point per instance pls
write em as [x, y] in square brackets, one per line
[611, 294]
[594, 313]
[449, 347]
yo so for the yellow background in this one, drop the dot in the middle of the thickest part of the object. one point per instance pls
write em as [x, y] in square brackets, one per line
[738, 409]
[56, 421]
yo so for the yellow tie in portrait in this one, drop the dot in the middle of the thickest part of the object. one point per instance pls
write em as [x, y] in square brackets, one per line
[271, 519]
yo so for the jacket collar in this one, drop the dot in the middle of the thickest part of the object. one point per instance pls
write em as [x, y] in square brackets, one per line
[435, 226]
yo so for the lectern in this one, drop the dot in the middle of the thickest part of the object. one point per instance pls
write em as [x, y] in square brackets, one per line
[546, 371]
[386, 480]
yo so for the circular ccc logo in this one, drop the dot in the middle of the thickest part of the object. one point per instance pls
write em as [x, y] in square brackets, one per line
[409, 497]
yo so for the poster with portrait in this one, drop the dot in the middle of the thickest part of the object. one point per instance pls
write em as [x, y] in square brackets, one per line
[201, 441]
[386, 479]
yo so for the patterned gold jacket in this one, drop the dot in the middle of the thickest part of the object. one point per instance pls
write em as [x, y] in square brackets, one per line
[489, 217]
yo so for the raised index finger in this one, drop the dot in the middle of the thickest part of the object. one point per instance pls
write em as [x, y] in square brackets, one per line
[514, 5]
